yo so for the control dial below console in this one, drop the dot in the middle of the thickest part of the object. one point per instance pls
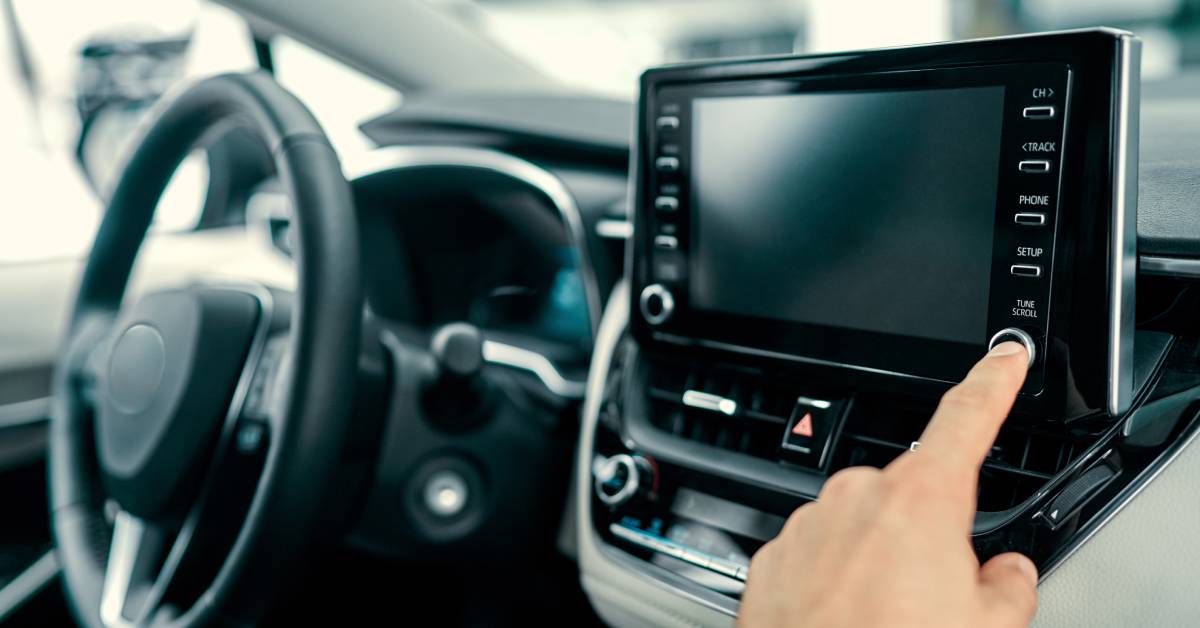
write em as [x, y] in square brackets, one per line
[621, 477]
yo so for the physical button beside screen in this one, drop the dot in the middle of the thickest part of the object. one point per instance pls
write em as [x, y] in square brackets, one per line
[1034, 166]
[667, 242]
[1044, 112]
[1030, 219]
[807, 437]
[667, 123]
[667, 164]
[666, 203]
[1026, 270]
[1018, 335]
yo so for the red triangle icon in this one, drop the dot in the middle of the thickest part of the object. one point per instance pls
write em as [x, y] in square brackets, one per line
[804, 426]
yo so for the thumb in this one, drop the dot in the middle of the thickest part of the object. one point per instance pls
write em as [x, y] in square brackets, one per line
[1009, 586]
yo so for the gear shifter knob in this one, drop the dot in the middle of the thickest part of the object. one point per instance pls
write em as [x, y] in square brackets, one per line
[458, 349]
[457, 390]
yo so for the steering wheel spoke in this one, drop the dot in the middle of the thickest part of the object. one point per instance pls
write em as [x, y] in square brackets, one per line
[133, 568]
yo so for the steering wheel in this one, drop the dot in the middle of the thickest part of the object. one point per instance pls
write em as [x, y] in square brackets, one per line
[197, 431]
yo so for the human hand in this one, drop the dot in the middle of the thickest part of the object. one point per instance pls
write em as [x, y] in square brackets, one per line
[892, 547]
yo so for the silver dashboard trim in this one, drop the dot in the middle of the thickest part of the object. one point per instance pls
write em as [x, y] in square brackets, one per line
[1124, 226]
[392, 158]
[595, 555]
[28, 584]
[23, 413]
[613, 229]
[1170, 266]
[533, 362]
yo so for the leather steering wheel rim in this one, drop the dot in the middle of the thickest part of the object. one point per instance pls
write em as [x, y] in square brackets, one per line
[286, 510]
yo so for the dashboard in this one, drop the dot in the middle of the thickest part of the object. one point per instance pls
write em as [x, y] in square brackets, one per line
[975, 203]
[454, 243]
[800, 309]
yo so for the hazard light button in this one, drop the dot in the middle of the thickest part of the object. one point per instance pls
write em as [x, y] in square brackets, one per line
[813, 420]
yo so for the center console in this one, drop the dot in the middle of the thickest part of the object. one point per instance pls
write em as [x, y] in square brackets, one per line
[822, 246]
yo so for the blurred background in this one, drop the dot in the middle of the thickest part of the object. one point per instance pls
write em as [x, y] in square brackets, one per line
[76, 77]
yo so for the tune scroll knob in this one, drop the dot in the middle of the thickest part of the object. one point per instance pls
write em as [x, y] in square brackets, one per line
[656, 304]
[622, 477]
[1017, 335]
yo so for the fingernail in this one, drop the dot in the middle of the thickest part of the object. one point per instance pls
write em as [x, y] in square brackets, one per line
[1007, 348]
[1026, 567]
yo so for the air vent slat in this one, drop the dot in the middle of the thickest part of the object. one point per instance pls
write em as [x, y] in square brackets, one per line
[1020, 462]
[752, 425]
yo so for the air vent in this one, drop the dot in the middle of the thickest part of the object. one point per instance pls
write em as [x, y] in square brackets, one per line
[733, 409]
[1020, 463]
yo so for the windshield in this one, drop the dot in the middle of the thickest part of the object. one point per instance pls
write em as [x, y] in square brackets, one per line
[603, 45]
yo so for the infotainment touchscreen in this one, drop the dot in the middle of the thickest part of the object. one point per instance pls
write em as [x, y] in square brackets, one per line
[869, 210]
[885, 216]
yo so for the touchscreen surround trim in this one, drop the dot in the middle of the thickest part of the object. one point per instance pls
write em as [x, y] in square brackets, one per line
[1087, 365]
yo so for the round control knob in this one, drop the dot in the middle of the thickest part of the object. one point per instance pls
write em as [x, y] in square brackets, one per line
[657, 304]
[1014, 334]
[621, 477]
[446, 493]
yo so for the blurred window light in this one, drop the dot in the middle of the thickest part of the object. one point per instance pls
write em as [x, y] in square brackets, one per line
[853, 24]
[339, 96]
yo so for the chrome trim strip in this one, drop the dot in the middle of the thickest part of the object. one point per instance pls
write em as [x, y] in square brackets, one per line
[1124, 226]
[23, 413]
[614, 229]
[539, 365]
[598, 559]
[403, 157]
[1170, 266]
[28, 583]
[708, 401]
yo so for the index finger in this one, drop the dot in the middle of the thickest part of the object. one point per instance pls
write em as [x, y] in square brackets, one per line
[966, 422]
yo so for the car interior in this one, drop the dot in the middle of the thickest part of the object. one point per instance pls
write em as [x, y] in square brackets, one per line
[521, 352]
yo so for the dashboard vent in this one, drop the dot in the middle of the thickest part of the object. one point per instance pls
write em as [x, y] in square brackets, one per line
[1020, 463]
[1023, 459]
[753, 426]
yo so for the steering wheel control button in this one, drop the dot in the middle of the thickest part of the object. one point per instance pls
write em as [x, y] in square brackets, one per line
[446, 493]
[622, 477]
[667, 164]
[1030, 219]
[666, 203]
[1034, 166]
[1042, 112]
[1026, 270]
[656, 304]
[166, 391]
[1015, 334]
[806, 440]
[250, 436]
[667, 123]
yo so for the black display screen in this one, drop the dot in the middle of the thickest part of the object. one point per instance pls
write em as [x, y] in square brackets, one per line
[866, 210]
